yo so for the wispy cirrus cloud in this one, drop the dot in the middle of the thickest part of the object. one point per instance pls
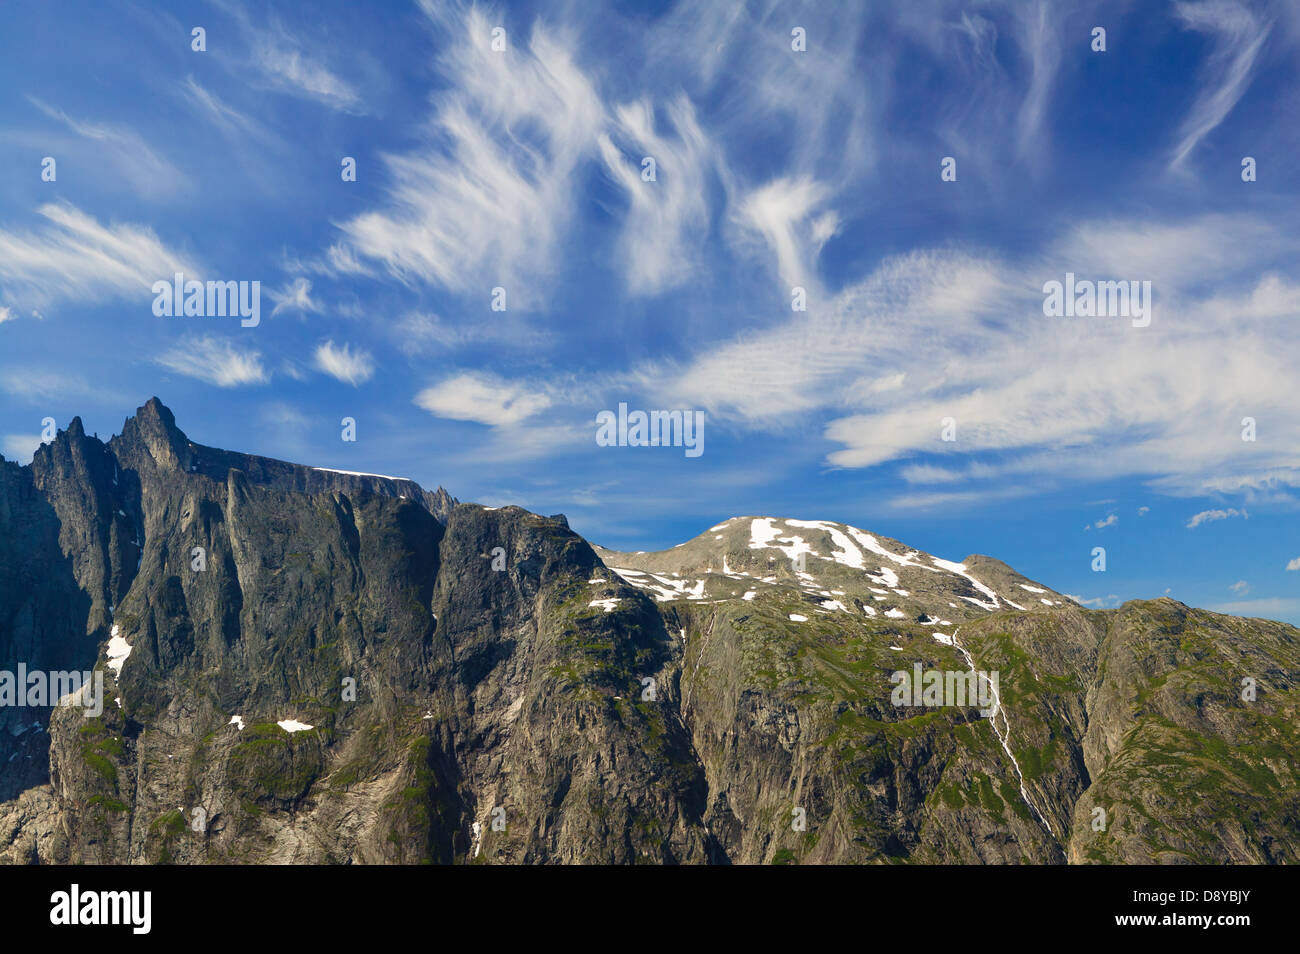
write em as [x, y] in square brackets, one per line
[292, 70]
[236, 126]
[130, 156]
[486, 200]
[344, 363]
[296, 296]
[489, 197]
[423, 333]
[281, 61]
[1238, 34]
[783, 213]
[958, 499]
[71, 255]
[1039, 30]
[937, 335]
[668, 216]
[215, 360]
[1002, 62]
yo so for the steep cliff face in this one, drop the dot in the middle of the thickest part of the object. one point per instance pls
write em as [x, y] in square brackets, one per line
[251, 593]
[315, 667]
[67, 555]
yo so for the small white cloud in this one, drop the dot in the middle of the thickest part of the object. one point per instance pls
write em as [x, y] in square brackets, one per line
[296, 296]
[1143, 511]
[781, 211]
[1107, 522]
[1294, 564]
[293, 369]
[350, 367]
[481, 398]
[1209, 516]
[287, 67]
[215, 361]
[6, 314]
[1240, 588]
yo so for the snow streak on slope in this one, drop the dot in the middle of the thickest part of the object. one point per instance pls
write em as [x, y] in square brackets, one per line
[909, 583]
[960, 570]
[118, 651]
[765, 534]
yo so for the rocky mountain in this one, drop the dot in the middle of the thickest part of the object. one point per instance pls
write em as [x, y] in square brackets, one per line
[308, 666]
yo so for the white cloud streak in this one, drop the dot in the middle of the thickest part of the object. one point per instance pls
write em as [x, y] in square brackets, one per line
[486, 201]
[1210, 516]
[344, 364]
[73, 256]
[216, 361]
[132, 159]
[932, 335]
[667, 217]
[296, 296]
[483, 399]
[1238, 36]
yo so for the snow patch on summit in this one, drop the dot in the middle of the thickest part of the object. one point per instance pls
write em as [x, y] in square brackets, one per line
[847, 554]
[763, 535]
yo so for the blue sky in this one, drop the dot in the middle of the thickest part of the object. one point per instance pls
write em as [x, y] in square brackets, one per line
[521, 168]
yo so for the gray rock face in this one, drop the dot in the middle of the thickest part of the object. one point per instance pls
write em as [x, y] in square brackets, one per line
[336, 668]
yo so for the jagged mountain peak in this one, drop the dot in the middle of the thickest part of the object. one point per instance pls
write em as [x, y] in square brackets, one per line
[152, 440]
[154, 410]
[153, 429]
